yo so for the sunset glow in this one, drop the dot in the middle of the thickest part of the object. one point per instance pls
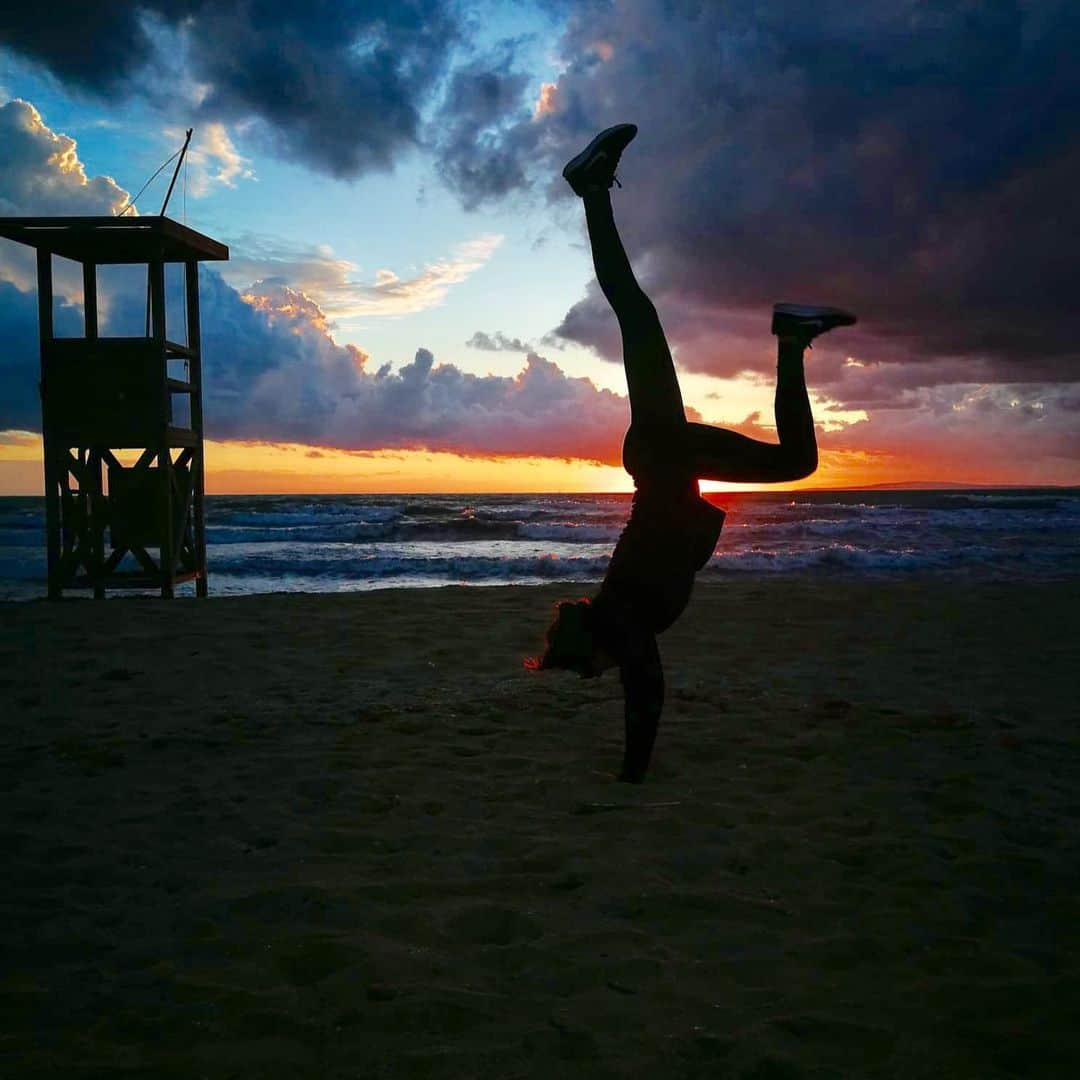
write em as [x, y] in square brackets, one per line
[290, 468]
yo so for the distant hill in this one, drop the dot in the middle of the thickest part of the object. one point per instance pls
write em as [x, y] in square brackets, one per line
[924, 485]
[932, 485]
[910, 485]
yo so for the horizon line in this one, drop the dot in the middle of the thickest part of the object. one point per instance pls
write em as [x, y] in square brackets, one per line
[912, 486]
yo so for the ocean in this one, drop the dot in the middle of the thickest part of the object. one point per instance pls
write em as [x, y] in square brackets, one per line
[340, 543]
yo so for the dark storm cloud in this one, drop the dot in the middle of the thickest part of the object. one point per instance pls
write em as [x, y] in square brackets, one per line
[915, 162]
[95, 47]
[337, 86]
[482, 104]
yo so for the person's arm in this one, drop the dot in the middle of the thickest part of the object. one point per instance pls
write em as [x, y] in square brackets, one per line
[643, 685]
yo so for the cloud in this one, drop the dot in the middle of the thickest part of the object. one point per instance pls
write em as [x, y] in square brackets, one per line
[311, 268]
[15, 437]
[41, 174]
[1023, 433]
[40, 170]
[94, 47]
[497, 342]
[286, 379]
[336, 86]
[545, 101]
[281, 302]
[482, 103]
[212, 159]
[273, 373]
[333, 283]
[917, 164]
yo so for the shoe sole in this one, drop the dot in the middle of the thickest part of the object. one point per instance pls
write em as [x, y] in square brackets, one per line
[837, 316]
[580, 160]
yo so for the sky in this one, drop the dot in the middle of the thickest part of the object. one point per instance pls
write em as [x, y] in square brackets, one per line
[410, 303]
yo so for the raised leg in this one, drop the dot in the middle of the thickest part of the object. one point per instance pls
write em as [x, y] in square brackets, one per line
[720, 454]
[655, 400]
[659, 434]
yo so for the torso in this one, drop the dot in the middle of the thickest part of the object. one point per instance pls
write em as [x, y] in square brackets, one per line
[670, 536]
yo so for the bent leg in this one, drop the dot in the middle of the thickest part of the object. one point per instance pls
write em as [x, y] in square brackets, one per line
[655, 400]
[720, 454]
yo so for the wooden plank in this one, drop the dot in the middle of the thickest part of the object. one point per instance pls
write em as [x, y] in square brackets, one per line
[146, 562]
[187, 553]
[96, 529]
[181, 508]
[132, 579]
[52, 483]
[198, 497]
[90, 310]
[198, 245]
[113, 239]
[74, 466]
[167, 545]
[178, 534]
[73, 510]
[105, 392]
[178, 386]
[178, 437]
[67, 566]
[52, 522]
[146, 458]
[106, 345]
[45, 296]
[114, 560]
[172, 349]
[67, 516]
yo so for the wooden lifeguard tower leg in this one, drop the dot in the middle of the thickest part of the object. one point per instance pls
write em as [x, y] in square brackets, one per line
[167, 561]
[197, 464]
[95, 492]
[95, 498]
[52, 479]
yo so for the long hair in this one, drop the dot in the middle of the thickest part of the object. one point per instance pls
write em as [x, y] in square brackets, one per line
[569, 640]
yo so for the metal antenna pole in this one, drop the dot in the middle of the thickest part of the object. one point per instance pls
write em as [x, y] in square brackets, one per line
[176, 171]
[164, 205]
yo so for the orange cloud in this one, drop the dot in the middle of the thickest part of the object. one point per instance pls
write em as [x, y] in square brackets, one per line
[545, 102]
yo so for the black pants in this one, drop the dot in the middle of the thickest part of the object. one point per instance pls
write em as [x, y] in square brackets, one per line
[660, 435]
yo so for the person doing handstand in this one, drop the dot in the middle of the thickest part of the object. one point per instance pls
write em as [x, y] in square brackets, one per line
[672, 531]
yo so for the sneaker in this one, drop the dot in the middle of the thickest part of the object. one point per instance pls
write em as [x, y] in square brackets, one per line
[594, 168]
[806, 321]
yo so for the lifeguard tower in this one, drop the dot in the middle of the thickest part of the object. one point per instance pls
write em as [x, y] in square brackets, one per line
[101, 395]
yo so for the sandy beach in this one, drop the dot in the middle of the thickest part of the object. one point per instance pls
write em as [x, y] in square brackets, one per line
[348, 836]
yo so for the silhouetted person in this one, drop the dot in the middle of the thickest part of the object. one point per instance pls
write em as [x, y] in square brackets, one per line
[672, 531]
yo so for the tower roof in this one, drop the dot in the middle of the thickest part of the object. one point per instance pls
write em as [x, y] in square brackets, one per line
[113, 239]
